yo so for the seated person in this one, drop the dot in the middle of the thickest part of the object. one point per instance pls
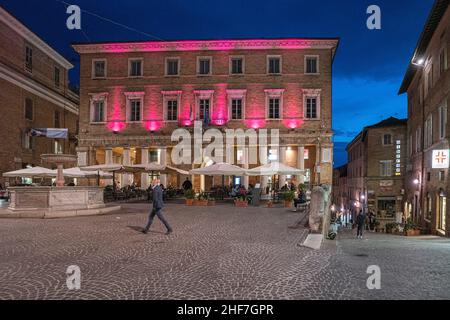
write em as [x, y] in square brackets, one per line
[301, 198]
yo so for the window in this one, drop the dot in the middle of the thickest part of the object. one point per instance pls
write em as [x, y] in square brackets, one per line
[274, 108]
[418, 139]
[428, 207]
[58, 147]
[386, 168]
[311, 108]
[442, 175]
[428, 131]
[172, 66]
[274, 64]
[135, 68]
[204, 66]
[172, 110]
[387, 139]
[236, 109]
[57, 119]
[326, 156]
[153, 156]
[29, 109]
[135, 110]
[99, 68]
[442, 211]
[428, 78]
[443, 61]
[27, 140]
[236, 65]
[311, 64]
[28, 58]
[442, 121]
[204, 109]
[98, 111]
[57, 77]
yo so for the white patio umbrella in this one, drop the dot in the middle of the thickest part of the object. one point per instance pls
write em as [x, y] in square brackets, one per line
[219, 169]
[114, 168]
[156, 167]
[30, 173]
[274, 168]
[76, 172]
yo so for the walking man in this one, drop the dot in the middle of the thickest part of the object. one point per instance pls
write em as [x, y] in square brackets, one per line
[360, 222]
[157, 209]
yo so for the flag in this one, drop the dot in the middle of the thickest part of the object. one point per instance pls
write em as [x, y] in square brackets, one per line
[50, 133]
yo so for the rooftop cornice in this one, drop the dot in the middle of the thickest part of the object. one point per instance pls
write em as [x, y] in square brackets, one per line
[32, 38]
[207, 45]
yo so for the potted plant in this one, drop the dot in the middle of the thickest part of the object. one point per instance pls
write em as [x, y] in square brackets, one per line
[391, 227]
[377, 226]
[288, 197]
[241, 201]
[411, 229]
[190, 196]
[202, 199]
[211, 201]
[269, 204]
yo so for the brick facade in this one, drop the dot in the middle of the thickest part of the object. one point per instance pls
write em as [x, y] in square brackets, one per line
[17, 84]
[153, 133]
[427, 83]
[376, 170]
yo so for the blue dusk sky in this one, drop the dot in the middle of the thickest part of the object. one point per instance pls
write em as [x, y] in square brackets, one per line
[369, 65]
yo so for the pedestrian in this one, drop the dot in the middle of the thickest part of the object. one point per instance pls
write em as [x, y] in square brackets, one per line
[360, 222]
[157, 209]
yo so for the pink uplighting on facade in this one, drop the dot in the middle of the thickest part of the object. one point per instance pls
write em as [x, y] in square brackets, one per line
[199, 45]
[116, 117]
[293, 123]
[219, 115]
[153, 125]
[116, 126]
[255, 123]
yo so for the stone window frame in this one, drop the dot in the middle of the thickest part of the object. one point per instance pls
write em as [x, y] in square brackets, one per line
[317, 57]
[94, 61]
[132, 96]
[210, 59]
[442, 111]
[312, 93]
[170, 96]
[268, 57]
[95, 97]
[389, 166]
[130, 61]
[25, 108]
[230, 66]
[383, 140]
[166, 66]
[234, 94]
[204, 95]
[274, 94]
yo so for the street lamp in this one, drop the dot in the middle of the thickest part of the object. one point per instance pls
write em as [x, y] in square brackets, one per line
[416, 181]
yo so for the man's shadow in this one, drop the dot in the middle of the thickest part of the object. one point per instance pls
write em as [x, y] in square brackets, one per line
[140, 229]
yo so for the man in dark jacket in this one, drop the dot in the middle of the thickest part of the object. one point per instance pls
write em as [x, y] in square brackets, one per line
[158, 206]
[360, 221]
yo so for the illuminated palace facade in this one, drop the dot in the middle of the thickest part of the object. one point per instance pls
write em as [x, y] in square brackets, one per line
[134, 95]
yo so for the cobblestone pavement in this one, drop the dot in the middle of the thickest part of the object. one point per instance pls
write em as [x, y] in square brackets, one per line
[217, 252]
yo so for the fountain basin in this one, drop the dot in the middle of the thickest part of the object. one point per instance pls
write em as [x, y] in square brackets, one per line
[53, 202]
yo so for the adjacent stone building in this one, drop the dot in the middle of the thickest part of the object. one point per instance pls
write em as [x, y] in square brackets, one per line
[340, 198]
[376, 170]
[135, 94]
[427, 83]
[34, 93]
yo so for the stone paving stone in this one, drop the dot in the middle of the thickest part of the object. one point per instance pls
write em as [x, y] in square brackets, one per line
[215, 253]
